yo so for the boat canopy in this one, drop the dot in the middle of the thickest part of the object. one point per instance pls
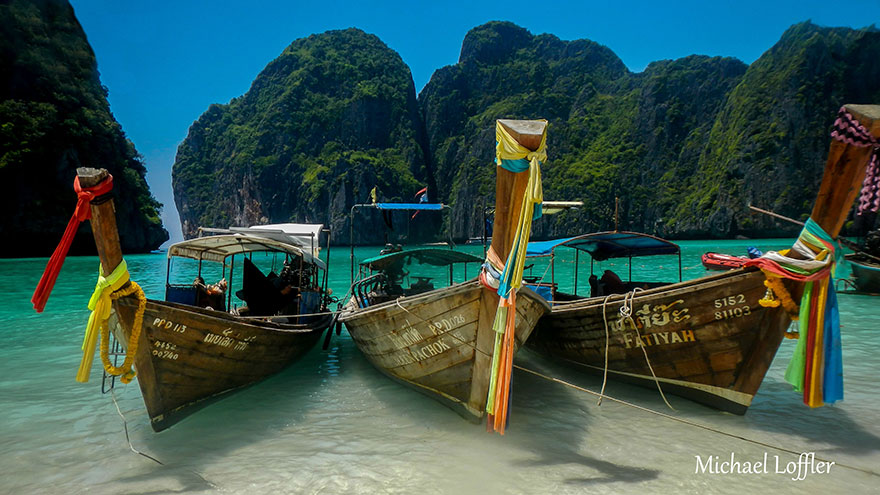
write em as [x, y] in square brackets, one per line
[219, 247]
[552, 207]
[406, 206]
[429, 256]
[606, 245]
[304, 235]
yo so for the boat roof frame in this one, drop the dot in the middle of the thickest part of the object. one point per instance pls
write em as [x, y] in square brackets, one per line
[218, 248]
[429, 253]
[658, 247]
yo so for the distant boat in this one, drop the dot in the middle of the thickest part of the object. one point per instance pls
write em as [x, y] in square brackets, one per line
[718, 261]
[191, 350]
[440, 340]
[866, 273]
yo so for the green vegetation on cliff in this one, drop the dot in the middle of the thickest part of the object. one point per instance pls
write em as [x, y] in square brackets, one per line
[333, 116]
[686, 145]
[769, 142]
[54, 117]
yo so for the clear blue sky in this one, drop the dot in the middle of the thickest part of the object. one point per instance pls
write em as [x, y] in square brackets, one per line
[165, 62]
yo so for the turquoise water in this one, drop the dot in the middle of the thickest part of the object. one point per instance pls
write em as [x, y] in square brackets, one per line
[333, 424]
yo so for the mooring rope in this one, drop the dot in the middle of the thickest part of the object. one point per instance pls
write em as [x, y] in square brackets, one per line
[689, 422]
[127, 437]
[626, 313]
[607, 339]
[602, 395]
[136, 451]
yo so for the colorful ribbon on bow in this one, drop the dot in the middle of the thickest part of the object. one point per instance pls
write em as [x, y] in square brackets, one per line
[82, 212]
[512, 156]
[816, 368]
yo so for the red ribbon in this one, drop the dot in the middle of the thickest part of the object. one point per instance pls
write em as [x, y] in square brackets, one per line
[83, 212]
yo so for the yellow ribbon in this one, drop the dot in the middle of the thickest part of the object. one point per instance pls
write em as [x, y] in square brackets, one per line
[100, 304]
[508, 148]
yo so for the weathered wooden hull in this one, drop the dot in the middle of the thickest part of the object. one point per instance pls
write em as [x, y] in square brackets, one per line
[706, 339]
[441, 342]
[866, 275]
[189, 356]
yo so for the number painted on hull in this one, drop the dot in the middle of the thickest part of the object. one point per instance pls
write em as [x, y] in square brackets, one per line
[163, 324]
[734, 307]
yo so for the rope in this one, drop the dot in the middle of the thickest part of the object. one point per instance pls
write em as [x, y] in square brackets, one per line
[286, 316]
[689, 422]
[138, 452]
[450, 334]
[626, 313]
[607, 338]
[82, 212]
[127, 437]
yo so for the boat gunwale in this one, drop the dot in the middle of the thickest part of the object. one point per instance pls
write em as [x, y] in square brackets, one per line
[868, 265]
[442, 292]
[672, 289]
[287, 328]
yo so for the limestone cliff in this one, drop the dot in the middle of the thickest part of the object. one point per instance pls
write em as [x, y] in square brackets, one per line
[685, 144]
[54, 117]
[333, 116]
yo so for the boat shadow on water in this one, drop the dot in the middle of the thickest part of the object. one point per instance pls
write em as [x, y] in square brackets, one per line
[556, 430]
[830, 429]
[548, 427]
[777, 419]
[254, 414]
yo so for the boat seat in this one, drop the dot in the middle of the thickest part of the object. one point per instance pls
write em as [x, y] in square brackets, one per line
[183, 294]
[258, 291]
[422, 284]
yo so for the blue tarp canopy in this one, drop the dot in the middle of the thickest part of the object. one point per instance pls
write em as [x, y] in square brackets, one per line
[409, 206]
[429, 256]
[605, 245]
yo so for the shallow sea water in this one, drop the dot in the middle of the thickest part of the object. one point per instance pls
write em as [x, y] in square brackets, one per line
[331, 423]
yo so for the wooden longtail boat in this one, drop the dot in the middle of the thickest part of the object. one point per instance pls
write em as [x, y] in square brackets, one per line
[441, 341]
[866, 273]
[191, 351]
[706, 339]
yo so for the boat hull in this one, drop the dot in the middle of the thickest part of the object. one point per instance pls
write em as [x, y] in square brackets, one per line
[707, 339]
[187, 356]
[441, 342]
[866, 275]
[717, 261]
